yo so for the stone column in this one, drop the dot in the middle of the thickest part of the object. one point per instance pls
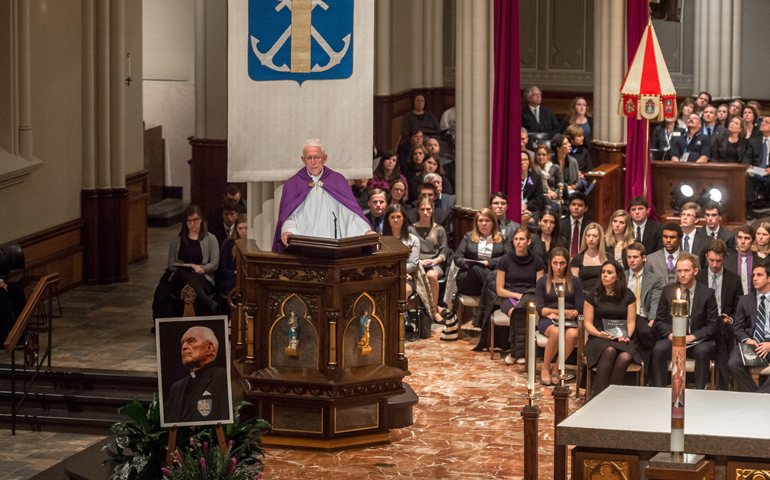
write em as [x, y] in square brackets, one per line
[382, 48]
[88, 92]
[433, 46]
[24, 85]
[718, 48]
[610, 66]
[117, 72]
[473, 94]
[200, 68]
[263, 202]
[103, 177]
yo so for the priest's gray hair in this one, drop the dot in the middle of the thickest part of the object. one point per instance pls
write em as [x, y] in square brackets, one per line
[208, 335]
[430, 176]
[314, 142]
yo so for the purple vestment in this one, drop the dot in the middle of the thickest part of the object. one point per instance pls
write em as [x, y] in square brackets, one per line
[296, 189]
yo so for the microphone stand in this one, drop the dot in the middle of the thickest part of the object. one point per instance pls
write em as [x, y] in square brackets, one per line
[335, 225]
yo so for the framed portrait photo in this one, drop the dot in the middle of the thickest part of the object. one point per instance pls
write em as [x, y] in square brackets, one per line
[194, 371]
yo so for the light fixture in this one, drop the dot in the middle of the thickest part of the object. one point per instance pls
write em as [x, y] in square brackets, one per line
[681, 195]
[709, 194]
[715, 194]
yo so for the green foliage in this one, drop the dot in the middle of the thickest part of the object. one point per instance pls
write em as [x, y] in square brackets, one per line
[140, 444]
[203, 462]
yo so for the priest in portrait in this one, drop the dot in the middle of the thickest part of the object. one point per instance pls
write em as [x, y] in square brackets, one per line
[318, 202]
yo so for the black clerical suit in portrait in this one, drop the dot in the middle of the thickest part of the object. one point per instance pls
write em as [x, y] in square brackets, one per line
[702, 323]
[199, 397]
[745, 324]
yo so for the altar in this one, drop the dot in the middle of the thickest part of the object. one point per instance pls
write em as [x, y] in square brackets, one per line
[624, 427]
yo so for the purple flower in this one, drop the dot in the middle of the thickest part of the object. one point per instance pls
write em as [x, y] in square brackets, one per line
[232, 467]
[166, 471]
[230, 444]
[203, 465]
[205, 447]
[178, 457]
[529, 181]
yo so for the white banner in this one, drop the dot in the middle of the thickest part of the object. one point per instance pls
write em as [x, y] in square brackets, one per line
[299, 69]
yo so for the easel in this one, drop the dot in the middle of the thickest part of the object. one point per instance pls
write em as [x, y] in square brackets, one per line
[188, 295]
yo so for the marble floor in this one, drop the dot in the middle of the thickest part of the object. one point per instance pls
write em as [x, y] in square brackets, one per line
[467, 424]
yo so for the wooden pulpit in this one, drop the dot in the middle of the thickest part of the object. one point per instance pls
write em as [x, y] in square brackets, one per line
[318, 338]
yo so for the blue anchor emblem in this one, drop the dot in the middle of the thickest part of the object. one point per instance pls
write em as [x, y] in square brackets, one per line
[309, 55]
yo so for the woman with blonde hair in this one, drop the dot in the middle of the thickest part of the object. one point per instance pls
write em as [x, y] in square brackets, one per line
[579, 115]
[548, 171]
[762, 242]
[478, 252]
[619, 236]
[587, 265]
[433, 249]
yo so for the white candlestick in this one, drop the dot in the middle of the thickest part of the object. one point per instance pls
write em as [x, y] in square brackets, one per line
[561, 328]
[679, 311]
[531, 321]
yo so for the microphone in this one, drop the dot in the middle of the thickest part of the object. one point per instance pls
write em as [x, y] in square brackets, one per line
[335, 225]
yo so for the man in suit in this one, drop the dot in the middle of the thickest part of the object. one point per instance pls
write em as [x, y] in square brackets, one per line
[713, 212]
[527, 145]
[709, 119]
[693, 240]
[727, 289]
[757, 155]
[703, 101]
[532, 197]
[647, 231]
[742, 261]
[647, 289]
[663, 262]
[692, 147]
[222, 221]
[535, 117]
[701, 324]
[440, 217]
[498, 202]
[576, 222]
[444, 201]
[378, 202]
[751, 327]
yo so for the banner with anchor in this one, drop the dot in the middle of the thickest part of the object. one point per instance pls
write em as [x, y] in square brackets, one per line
[299, 69]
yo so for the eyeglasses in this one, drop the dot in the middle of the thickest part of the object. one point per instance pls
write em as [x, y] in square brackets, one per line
[316, 158]
[193, 221]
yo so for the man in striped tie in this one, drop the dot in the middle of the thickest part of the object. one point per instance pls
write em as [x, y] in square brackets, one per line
[752, 326]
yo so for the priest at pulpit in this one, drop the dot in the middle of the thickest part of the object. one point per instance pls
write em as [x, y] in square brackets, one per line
[318, 202]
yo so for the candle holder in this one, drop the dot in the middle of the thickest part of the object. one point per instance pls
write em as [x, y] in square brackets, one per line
[531, 396]
[679, 308]
[562, 377]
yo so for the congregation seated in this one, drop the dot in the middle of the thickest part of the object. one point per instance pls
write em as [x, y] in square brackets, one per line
[547, 238]
[444, 201]
[693, 146]
[517, 272]
[581, 118]
[713, 212]
[532, 197]
[573, 227]
[360, 190]
[498, 203]
[610, 351]
[378, 202]
[537, 118]
[664, 135]
[429, 165]
[226, 271]
[709, 127]
[222, 221]
[742, 261]
[619, 236]
[479, 253]
[547, 307]
[440, 216]
[580, 147]
[728, 291]
[397, 225]
[646, 231]
[406, 152]
[550, 173]
[397, 194]
[193, 259]
[751, 329]
[434, 248]
[587, 265]
[647, 288]
[731, 145]
[689, 106]
[702, 324]
[572, 177]
[386, 172]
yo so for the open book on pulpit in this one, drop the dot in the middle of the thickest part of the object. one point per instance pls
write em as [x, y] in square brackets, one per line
[320, 247]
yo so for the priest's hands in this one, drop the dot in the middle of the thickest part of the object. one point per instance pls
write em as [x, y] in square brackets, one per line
[370, 232]
[285, 238]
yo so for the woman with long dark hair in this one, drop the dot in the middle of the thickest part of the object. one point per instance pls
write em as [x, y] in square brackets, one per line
[397, 225]
[547, 237]
[610, 348]
[562, 150]
[227, 265]
[433, 249]
[386, 173]
[398, 193]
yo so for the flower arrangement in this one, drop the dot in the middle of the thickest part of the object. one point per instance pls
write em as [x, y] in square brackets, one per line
[204, 463]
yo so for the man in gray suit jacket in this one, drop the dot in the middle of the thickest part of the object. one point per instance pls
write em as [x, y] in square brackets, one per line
[751, 329]
[647, 287]
[663, 262]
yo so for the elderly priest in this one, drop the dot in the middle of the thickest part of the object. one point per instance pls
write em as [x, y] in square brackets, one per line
[317, 202]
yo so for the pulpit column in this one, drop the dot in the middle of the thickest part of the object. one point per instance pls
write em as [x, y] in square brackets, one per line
[473, 93]
[609, 70]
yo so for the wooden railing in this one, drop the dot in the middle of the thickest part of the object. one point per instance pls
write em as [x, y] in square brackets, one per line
[34, 309]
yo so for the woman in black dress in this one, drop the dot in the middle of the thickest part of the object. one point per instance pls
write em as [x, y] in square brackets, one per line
[226, 272]
[547, 237]
[587, 265]
[547, 304]
[517, 272]
[611, 353]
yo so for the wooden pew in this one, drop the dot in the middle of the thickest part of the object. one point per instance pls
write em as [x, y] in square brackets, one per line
[608, 193]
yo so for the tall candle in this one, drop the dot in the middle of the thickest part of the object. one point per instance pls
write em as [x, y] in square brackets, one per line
[531, 321]
[679, 311]
[560, 292]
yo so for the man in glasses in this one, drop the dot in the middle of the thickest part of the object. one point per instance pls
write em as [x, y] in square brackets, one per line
[317, 202]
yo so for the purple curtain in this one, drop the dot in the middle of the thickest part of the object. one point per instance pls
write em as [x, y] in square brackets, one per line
[636, 156]
[506, 112]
